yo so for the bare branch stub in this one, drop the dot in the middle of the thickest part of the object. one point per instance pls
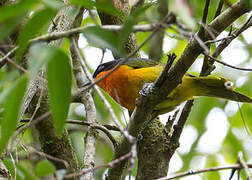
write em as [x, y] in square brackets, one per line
[171, 58]
[181, 122]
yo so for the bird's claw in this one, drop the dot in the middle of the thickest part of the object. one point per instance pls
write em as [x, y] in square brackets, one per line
[147, 87]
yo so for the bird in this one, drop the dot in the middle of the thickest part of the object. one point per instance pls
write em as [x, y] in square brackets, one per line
[125, 83]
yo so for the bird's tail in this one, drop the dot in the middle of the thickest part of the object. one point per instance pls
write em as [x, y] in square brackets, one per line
[221, 88]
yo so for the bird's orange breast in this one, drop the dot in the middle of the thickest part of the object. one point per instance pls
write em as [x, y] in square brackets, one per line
[124, 84]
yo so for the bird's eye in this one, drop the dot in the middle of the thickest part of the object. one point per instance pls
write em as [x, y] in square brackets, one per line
[229, 85]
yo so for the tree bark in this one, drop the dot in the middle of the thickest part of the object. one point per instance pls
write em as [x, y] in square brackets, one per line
[59, 147]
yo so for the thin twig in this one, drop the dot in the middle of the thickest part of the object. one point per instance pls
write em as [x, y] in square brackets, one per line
[7, 55]
[205, 12]
[198, 171]
[162, 76]
[111, 164]
[35, 121]
[218, 11]
[202, 44]
[96, 126]
[242, 117]
[48, 156]
[105, 128]
[85, 123]
[211, 32]
[74, 31]
[7, 59]
[102, 58]
[204, 17]
[230, 38]
[211, 58]
[181, 122]
[217, 40]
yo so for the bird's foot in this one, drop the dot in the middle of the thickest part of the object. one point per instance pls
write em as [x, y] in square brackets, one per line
[147, 88]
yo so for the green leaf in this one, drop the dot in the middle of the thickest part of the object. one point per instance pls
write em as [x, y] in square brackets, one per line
[59, 85]
[12, 109]
[248, 4]
[23, 172]
[100, 6]
[211, 162]
[53, 4]
[103, 38]
[9, 25]
[44, 168]
[16, 9]
[238, 120]
[102, 111]
[33, 27]
[39, 56]
[9, 165]
[5, 85]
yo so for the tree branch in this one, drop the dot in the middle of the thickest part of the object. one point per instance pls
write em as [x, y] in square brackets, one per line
[87, 100]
